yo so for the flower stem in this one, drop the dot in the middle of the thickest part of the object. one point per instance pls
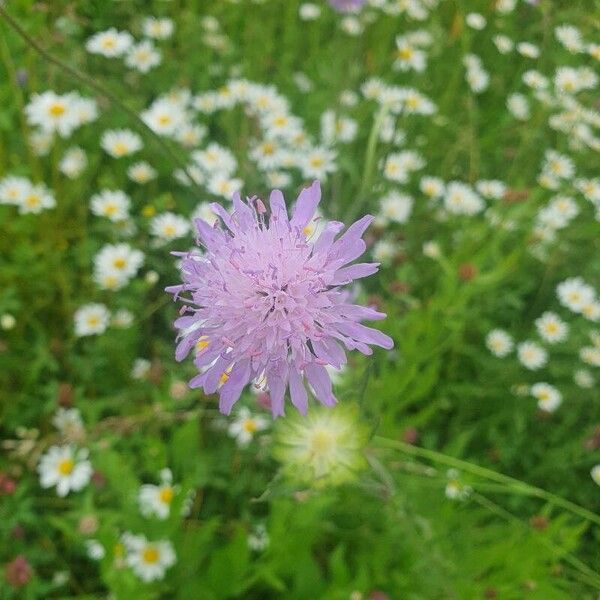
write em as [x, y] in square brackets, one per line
[355, 208]
[514, 484]
[589, 575]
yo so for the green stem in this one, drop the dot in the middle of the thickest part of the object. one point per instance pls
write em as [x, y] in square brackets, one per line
[93, 84]
[591, 576]
[369, 163]
[515, 484]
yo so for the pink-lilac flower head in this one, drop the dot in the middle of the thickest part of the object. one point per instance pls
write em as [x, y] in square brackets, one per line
[347, 5]
[267, 303]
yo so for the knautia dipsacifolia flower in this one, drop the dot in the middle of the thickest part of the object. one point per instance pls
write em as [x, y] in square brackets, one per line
[267, 302]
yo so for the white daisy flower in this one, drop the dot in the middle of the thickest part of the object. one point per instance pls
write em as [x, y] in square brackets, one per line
[499, 343]
[518, 106]
[461, 199]
[476, 21]
[491, 188]
[141, 172]
[91, 319]
[140, 368]
[384, 251]
[115, 265]
[528, 50]
[158, 28]
[148, 560]
[168, 226]
[574, 294]
[551, 327]
[36, 198]
[317, 163]
[433, 187]
[68, 422]
[548, 397]
[155, 500]
[143, 57]
[120, 142]
[112, 204]
[395, 206]
[584, 379]
[53, 113]
[73, 162]
[13, 190]
[164, 117]
[531, 355]
[245, 426]
[408, 56]
[110, 43]
[64, 468]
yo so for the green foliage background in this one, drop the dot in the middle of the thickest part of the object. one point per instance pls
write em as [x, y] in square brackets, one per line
[393, 530]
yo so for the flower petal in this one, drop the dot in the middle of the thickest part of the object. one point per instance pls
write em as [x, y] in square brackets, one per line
[307, 203]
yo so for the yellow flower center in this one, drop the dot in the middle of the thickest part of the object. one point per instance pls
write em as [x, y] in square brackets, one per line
[405, 53]
[316, 161]
[119, 263]
[93, 320]
[250, 425]
[412, 102]
[150, 555]
[110, 209]
[120, 148]
[57, 109]
[551, 327]
[268, 148]
[108, 43]
[32, 200]
[164, 119]
[169, 230]
[166, 495]
[65, 466]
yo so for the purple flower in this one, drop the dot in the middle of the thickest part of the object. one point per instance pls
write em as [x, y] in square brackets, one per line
[347, 5]
[268, 304]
